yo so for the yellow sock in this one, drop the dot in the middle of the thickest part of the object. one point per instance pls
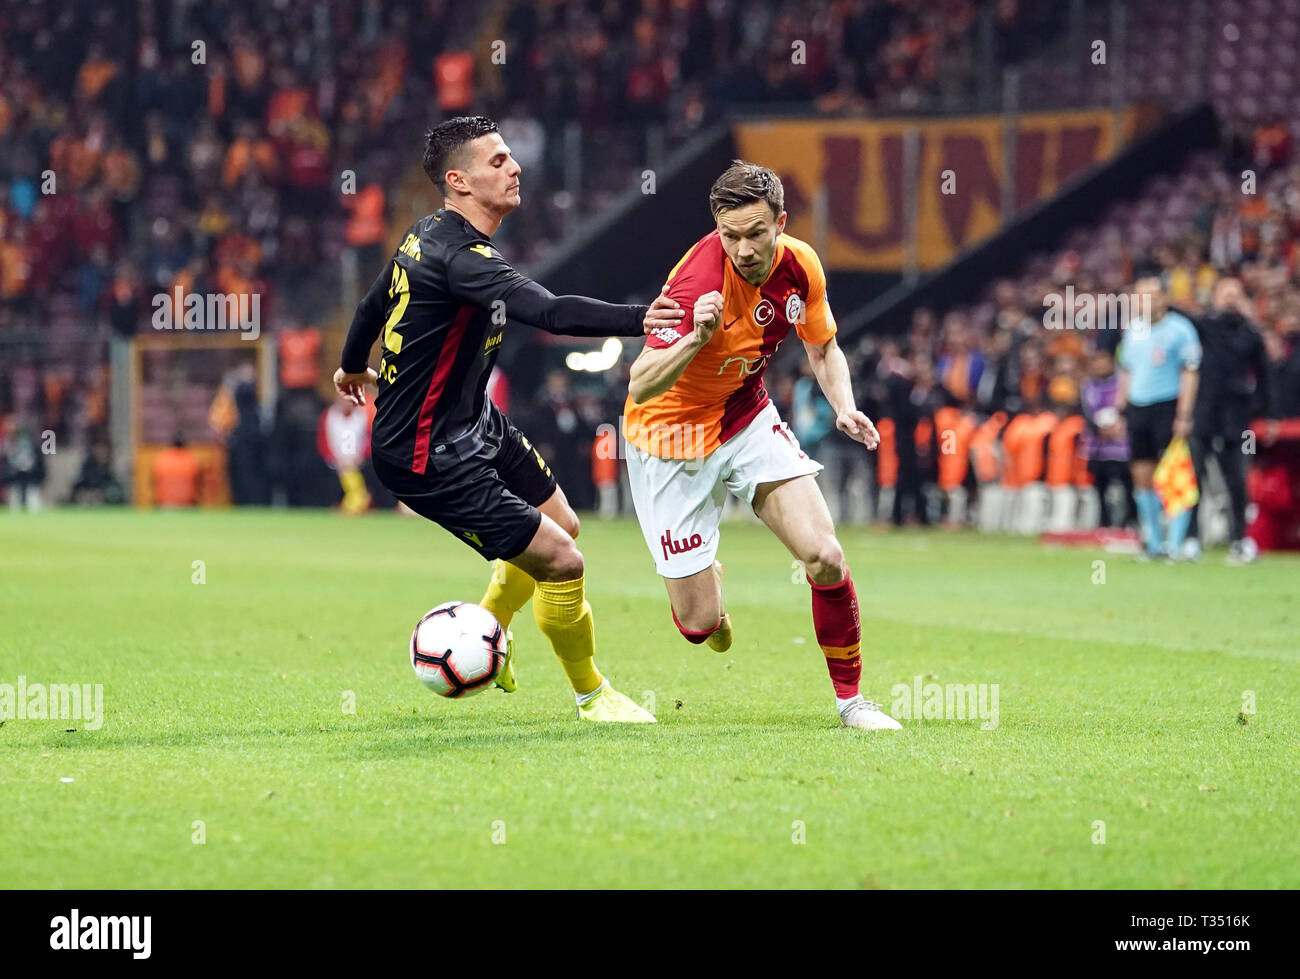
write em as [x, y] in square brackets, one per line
[356, 498]
[563, 615]
[507, 592]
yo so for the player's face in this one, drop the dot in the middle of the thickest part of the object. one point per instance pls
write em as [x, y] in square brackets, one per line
[1227, 293]
[493, 176]
[1150, 290]
[749, 234]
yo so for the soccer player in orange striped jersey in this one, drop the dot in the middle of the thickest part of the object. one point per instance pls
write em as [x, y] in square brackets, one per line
[699, 423]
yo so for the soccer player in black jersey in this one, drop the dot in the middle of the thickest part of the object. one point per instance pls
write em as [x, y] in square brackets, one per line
[438, 442]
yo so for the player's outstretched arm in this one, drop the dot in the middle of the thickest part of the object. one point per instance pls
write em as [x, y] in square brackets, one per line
[656, 369]
[573, 316]
[831, 369]
[480, 276]
[578, 316]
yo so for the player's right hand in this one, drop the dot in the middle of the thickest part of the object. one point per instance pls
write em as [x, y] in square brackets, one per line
[353, 386]
[708, 314]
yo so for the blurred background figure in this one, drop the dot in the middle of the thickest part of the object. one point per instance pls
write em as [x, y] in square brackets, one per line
[1159, 359]
[97, 484]
[343, 439]
[247, 447]
[1105, 444]
[813, 422]
[176, 475]
[1233, 390]
[22, 467]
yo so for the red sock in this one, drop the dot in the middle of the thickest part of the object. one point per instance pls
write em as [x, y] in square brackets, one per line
[839, 633]
[693, 637]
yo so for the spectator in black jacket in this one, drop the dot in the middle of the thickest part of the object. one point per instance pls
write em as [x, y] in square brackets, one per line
[1233, 389]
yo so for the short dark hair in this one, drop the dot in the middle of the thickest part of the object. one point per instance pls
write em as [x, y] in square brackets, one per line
[444, 141]
[743, 183]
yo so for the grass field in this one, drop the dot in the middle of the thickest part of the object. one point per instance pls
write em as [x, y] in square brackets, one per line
[224, 703]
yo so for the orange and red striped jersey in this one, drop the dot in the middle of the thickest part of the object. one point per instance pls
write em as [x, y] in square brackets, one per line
[721, 390]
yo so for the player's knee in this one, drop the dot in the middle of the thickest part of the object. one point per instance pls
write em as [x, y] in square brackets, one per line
[572, 524]
[825, 566]
[565, 565]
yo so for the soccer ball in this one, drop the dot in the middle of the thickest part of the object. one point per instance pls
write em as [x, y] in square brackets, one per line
[457, 649]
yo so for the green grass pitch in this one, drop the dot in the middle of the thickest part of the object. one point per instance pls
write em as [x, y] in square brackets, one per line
[1120, 703]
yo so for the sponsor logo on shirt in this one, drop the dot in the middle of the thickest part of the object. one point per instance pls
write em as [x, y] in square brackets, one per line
[411, 247]
[666, 334]
[747, 367]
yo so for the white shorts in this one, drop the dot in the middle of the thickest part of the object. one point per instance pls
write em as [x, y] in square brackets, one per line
[679, 501]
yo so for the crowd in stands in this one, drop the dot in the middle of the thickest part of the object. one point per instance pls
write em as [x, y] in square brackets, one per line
[223, 148]
[994, 370]
[146, 147]
[620, 70]
[203, 149]
[1018, 402]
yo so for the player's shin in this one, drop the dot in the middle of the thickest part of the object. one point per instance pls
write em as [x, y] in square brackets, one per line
[507, 592]
[564, 617]
[839, 633]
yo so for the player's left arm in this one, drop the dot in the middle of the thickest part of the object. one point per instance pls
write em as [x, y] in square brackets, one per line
[831, 368]
[817, 331]
[479, 275]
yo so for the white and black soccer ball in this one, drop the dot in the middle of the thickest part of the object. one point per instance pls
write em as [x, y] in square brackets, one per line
[457, 649]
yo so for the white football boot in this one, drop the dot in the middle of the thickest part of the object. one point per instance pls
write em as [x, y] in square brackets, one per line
[864, 714]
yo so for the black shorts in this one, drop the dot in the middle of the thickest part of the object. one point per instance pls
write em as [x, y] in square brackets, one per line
[1150, 429]
[489, 500]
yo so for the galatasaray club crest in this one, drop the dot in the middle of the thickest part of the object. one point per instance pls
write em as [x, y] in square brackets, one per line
[794, 309]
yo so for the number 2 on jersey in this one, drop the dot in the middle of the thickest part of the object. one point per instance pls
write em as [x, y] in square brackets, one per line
[401, 288]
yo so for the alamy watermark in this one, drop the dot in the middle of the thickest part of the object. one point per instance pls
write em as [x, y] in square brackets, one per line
[1069, 310]
[208, 312]
[945, 702]
[54, 702]
[687, 442]
[130, 933]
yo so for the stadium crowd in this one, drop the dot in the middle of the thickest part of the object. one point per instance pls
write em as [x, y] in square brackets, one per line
[1019, 400]
[618, 72]
[146, 147]
[224, 148]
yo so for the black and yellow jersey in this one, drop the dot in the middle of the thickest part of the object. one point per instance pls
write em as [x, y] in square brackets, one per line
[443, 304]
